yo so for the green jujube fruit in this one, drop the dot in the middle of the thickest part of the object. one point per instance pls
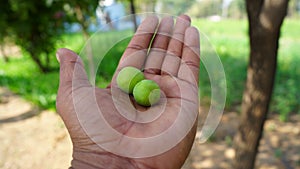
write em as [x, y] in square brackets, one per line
[128, 77]
[146, 93]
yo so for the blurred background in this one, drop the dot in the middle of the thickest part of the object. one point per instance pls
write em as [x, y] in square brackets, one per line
[33, 136]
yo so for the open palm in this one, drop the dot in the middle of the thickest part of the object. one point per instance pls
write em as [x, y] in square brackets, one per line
[106, 125]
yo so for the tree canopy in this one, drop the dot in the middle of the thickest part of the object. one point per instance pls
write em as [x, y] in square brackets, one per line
[36, 25]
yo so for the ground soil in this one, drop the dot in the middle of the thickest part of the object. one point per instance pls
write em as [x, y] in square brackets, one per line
[34, 139]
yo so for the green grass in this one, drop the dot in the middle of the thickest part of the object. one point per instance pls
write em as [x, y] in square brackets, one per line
[22, 77]
[287, 86]
[228, 38]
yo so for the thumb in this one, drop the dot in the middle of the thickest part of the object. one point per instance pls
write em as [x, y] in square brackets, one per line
[72, 72]
[72, 77]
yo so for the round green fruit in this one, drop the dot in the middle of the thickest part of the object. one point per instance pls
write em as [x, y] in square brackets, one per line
[128, 77]
[146, 93]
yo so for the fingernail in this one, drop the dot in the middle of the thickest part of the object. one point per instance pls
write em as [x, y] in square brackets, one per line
[57, 57]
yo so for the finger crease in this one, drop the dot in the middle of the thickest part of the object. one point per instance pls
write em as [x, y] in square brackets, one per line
[190, 63]
[136, 47]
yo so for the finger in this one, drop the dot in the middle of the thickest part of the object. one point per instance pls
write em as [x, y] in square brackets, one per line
[72, 76]
[172, 59]
[189, 68]
[72, 72]
[159, 46]
[136, 51]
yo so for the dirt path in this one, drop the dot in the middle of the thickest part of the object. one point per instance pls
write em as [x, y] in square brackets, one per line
[31, 139]
[279, 149]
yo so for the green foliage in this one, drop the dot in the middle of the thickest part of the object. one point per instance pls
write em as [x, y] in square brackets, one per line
[33, 25]
[278, 153]
[4, 15]
[205, 8]
[106, 49]
[174, 7]
[229, 39]
[81, 11]
[286, 96]
[22, 77]
[72, 41]
[294, 8]
[111, 59]
[237, 9]
[145, 5]
[37, 25]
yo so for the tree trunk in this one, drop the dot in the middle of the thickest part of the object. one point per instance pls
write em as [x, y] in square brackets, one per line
[132, 9]
[265, 19]
[82, 21]
[36, 59]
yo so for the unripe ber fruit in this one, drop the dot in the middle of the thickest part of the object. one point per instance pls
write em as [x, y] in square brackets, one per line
[146, 93]
[128, 77]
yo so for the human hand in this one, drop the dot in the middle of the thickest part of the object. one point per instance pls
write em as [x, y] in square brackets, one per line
[173, 62]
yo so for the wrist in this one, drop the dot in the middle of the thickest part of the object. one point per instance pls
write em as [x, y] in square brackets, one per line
[90, 160]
